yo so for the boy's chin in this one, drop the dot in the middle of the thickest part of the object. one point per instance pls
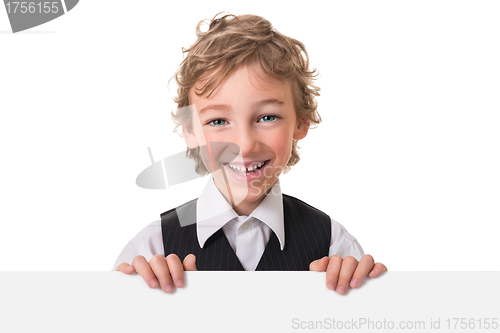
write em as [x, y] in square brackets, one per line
[241, 192]
[252, 199]
[253, 194]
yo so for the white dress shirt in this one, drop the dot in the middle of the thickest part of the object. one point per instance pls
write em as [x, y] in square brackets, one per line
[247, 235]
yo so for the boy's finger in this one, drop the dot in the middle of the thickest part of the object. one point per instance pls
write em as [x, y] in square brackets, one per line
[160, 268]
[190, 263]
[319, 265]
[333, 271]
[176, 270]
[141, 265]
[349, 265]
[125, 268]
[364, 267]
[377, 269]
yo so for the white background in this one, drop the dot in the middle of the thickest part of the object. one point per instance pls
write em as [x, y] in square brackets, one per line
[407, 156]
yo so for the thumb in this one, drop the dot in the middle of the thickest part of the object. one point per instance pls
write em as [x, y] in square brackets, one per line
[377, 270]
[125, 268]
[190, 263]
[319, 265]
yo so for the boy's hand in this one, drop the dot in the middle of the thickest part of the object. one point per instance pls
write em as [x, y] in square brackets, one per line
[164, 270]
[340, 273]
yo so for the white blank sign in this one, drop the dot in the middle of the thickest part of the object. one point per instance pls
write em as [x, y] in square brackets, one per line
[246, 302]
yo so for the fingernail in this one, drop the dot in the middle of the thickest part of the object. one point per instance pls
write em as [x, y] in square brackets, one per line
[180, 283]
[153, 283]
[168, 288]
[331, 286]
[354, 283]
[341, 290]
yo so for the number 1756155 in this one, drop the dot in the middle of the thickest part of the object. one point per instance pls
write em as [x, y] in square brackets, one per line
[32, 7]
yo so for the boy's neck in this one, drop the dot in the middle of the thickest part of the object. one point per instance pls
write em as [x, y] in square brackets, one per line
[245, 209]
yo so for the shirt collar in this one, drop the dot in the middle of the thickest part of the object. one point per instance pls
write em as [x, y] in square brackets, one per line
[213, 212]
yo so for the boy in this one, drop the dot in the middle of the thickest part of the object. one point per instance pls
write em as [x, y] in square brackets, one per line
[245, 98]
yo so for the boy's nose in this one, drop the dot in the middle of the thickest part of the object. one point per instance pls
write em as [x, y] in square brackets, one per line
[248, 141]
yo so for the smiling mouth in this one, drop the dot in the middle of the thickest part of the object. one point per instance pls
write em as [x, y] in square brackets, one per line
[245, 171]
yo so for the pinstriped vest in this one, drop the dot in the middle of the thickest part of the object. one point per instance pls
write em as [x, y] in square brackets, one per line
[307, 233]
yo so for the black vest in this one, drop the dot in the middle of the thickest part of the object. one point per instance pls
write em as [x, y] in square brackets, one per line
[307, 238]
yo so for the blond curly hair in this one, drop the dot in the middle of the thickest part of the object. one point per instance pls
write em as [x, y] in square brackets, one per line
[232, 41]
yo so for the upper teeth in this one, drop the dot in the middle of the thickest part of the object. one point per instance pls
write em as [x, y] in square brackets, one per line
[243, 169]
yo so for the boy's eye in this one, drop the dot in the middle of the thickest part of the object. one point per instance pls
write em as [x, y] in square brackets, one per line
[217, 122]
[268, 118]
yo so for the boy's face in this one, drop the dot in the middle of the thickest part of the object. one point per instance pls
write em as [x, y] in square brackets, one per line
[256, 113]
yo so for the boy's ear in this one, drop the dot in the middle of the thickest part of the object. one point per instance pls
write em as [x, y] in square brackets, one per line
[301, 129]
[189, 136]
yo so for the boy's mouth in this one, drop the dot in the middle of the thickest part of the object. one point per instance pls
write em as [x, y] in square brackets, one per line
[246, 170]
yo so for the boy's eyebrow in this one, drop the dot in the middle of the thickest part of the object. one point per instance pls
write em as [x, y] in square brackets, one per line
[268, 102]
[224, 107]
